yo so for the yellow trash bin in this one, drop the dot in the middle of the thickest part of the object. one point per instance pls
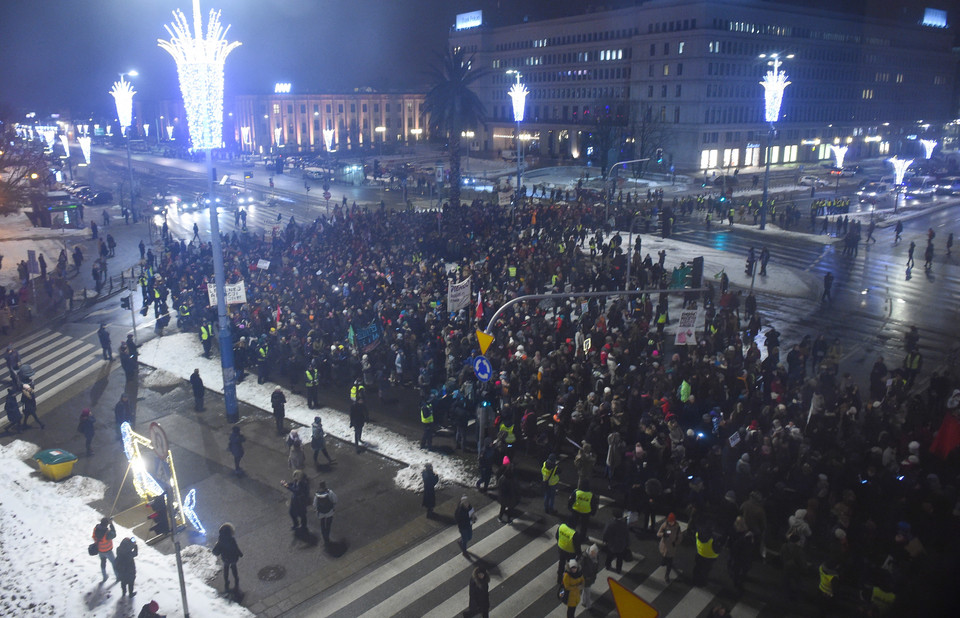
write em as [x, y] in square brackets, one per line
[56, 464]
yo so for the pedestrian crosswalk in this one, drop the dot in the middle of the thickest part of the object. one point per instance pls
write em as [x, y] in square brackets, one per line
[57, 360]
[430, 579]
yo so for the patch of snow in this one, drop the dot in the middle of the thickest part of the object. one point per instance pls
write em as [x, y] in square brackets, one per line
[56, 576]
[82, 488]
[167, 353]
[159, 377]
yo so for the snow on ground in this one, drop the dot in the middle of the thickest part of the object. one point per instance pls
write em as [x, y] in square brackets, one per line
[167, 353]
[781, 279]
[45, 529]
[17, 236]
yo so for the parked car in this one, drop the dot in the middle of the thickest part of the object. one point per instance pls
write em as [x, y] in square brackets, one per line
[98, 198]
[811, 181]
[949, 185]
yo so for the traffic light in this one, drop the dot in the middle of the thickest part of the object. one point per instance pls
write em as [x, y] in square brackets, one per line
[659, 155]
[125, 302]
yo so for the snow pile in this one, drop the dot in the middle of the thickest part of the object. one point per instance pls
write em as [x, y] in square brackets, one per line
[160, 378]
[167, 353]
[19, 236]
[45, 529]
[82, 488]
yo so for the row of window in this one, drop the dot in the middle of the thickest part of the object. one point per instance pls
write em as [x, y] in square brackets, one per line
[663, 91]
[797, 32]
[570, 39]
[411, 107]
[666, 48]
[364, 124]
[672, 26]
[596, 55]
[616, 73]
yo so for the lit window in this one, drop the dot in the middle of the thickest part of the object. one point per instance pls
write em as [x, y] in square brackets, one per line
[680, 47]
[666, 69]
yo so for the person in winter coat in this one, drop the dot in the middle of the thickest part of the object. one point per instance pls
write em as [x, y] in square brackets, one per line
[615, 449]
[103, 535]
[573, 584]
[29, 401]
[430, 480]
[12, 407]
[325, 503]
[358, 416]
[479, 594]
[236, 448]
[742, 547]
[584, 462]
[797, 524]
[229, 552]
[508, 493]
[196, 383]
[149, 610]
[670, 536]
[300, 488]
[278, 400]
[123, 413]
[465, 517]
[589, 565]
[296, 458]
[126, 566]
[485, 464]
[86, 426]
[616, 539]
[318, 441]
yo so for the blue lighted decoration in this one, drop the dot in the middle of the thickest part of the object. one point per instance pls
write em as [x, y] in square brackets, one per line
[188, 510]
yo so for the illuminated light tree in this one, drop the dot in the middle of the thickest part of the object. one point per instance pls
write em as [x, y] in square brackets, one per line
[123, 92]
[66, 145]
[170, 132]
[518, 97]
[146, 129]
[774, 83]
[200, 57]
[928, 146]
[900, 167]
[84, 141]
[49, 135]
[277, 134]
[328, 139]
[245, 136]
[839, 153]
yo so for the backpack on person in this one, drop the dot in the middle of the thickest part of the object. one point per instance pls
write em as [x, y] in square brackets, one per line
[322, 502]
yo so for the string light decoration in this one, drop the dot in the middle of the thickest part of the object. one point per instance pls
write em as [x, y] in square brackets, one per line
[928, 146]
[200, 59]
[277, 132]
[839, 153]
[84, 141]
[146, 129]
[48, 135]
[774, 83]
[245, 136]
[328, 139]
[900, 167]
[518, 96]
[170, 132]
[66, 145]
[123, 92]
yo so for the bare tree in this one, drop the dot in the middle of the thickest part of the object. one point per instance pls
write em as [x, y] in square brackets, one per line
[649, 133]
[23, 170]
[607, 126]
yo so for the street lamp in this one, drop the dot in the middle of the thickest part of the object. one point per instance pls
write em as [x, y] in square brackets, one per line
[900, 167]
[418, 132]
[123, 92]
[518, 96]
[200, 56]
[774, 83]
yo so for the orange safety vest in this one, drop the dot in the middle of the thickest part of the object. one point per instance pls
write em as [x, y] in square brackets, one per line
[104, 543]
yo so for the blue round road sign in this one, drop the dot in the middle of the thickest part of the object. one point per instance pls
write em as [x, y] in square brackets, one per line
[482, 367]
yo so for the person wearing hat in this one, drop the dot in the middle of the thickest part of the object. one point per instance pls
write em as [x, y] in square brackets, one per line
[196, 383]
[358, 417]
[670, 535]
[706, 555]
[28, 400]
[430, 480]
[616, 541]
[479, 591]
[87, 426]
[550, 473]
[103, 535]
[126, 565]
[278, 400]
[229, 552]
[318, 441]
[573, 582]
[149, 610]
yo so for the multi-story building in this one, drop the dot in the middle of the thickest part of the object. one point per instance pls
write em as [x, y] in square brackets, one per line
[296, 122]
[687, 73]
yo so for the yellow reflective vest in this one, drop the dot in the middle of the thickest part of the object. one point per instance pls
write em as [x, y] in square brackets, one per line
[426, 414]
[705, 549]
[826, 581]
[565, 539]
[550, 476]
[311, 377]
[511, 437]
[204, 332]
[581, 502]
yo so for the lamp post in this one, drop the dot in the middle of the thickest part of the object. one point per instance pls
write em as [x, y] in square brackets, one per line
[200, 56]
[381, 132]
[469, 135]
[774, 83]
[518, 96]
[123, 92]
[900, 167]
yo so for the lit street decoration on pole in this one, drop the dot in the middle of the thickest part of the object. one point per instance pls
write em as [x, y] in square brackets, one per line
[170, 132]
[245, 136]
[518, 96]
[277, 132]
[123, 92]
[146, 129]
[900, 167]
[66, 145]
[774, 83]
[928, 146]
[839, 152]
[48, 136]
[84, 141]
[328, 139]
[200, 58]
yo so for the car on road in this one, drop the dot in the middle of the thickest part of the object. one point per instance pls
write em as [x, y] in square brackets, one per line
[186, 205]
[811, 181]
[98, 198]
[728, 180]
[843, 172]
[949, 185]
[919, 186]
[872, 192]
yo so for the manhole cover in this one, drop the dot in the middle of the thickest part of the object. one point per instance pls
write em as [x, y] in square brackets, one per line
[272, 573]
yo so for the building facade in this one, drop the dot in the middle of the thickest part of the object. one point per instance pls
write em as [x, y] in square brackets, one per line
[294, 122]
[686, 73]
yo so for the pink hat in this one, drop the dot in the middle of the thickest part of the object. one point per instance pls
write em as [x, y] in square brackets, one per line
[506, 460]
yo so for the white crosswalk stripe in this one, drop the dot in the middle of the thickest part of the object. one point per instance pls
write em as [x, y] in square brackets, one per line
[430, 579]
[57, 360]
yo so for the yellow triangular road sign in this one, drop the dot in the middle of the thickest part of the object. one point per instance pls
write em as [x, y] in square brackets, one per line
[485, 341]
[628, 604]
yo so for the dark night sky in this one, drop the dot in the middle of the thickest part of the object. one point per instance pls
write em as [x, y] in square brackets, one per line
[63, 55]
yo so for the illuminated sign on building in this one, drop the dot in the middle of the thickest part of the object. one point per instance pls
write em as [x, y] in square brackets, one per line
[474, 19]
[931, 17]
[281, 88]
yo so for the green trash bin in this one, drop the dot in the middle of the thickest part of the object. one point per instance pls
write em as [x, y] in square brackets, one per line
[55, 463]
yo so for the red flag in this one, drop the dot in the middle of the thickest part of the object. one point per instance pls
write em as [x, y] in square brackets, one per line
[479, 306]
[278, 315]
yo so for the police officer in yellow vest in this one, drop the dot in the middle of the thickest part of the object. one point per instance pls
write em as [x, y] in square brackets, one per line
[426, 419]
[206, 338]
[568, 544]
[706, 556]
[828, 575]
[550, 472]
[508, 427]
[183, 316]
[312, 384]
[583, 503]
[263, 367]
[356, 390]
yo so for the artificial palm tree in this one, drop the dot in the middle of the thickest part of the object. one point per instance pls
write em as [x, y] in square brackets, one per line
[450, 106]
